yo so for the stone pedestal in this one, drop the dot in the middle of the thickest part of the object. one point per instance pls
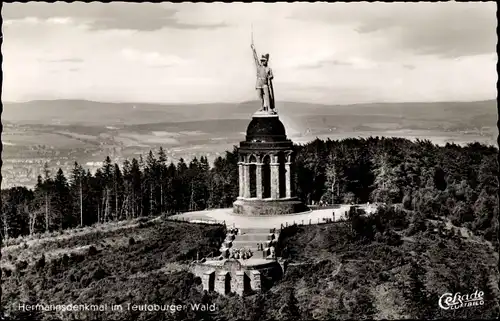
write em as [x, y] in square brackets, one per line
[255, 281]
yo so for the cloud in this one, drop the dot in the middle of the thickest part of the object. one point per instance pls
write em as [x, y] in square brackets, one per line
[100, 16]
[64, 71]
[325, 63]
[25, 20]
[446, 29]
[453, 33]
[72, 60]
[152, 58]
[60, 20]
[353, 62]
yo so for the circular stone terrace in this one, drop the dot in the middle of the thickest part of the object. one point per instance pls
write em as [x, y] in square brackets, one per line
[227, 217]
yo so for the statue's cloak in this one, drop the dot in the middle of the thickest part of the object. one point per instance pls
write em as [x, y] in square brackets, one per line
[271, 94]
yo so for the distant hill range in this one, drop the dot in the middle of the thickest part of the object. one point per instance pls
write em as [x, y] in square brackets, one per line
[298, 117]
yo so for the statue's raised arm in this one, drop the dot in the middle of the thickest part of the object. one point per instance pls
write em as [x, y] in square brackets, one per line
[255, 56]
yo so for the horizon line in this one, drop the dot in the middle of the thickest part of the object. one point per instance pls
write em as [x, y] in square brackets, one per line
[248, 101]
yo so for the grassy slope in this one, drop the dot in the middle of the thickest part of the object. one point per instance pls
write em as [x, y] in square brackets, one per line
[116, 273]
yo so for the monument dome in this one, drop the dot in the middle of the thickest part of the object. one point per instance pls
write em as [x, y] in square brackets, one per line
[266, 129]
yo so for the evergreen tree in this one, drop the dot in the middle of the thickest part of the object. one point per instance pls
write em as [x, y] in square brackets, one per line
[63, 215]
[439, 178]
[47, 187]
[136, 198]
[215, 196]
[170, 198]
[181, 187]
[162, 176]
[151, 178]
[289, 309]
[107, 180]
[118, 192]
[204, 182]
[16, 209]
[127, 204]
[37, 215]
[76, 187]
[93, 202]
[99, 190]
[194, 183]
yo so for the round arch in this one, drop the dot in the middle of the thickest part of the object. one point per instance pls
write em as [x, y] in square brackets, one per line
[266, 176]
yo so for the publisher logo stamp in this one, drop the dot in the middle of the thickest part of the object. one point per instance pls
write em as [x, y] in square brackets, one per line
[449, 301]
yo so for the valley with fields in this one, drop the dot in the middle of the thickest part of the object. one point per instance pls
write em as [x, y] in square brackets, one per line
[60, 132]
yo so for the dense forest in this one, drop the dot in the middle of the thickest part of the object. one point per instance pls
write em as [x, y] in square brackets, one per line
[457, 182]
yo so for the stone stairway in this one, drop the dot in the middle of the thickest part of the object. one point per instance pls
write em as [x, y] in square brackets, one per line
[256, 230]
[253, 245]
[255, 237]
[251, 238]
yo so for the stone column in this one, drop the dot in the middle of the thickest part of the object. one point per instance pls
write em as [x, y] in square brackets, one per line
[241, 179]
[220, 282]
[238, 284]
[246, 175]
[206, 280]
[259, 180]
[275, 177]
[288, 179]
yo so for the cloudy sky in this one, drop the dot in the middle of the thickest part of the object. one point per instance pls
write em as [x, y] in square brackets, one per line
[333, 53]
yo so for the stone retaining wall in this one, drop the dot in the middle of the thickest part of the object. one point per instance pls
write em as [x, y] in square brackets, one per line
[233, 277]
[268, 208]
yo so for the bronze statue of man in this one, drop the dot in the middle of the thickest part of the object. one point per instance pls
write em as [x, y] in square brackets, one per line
[264, 85]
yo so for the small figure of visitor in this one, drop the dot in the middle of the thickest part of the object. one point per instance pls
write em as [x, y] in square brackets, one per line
[272, 252]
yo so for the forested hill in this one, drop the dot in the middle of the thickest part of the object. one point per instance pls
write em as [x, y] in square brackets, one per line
[394, 264]
[457, 182]
[437, 238]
